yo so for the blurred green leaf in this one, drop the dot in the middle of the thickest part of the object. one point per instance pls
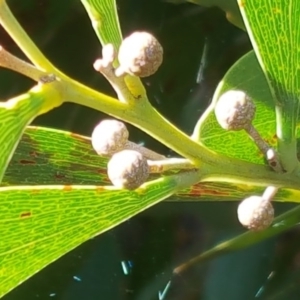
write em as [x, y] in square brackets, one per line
[41, 223]
[245, 75]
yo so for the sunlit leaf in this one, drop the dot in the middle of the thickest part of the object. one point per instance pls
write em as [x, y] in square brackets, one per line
[245, 75]
[41, 223]
[50, 157]
[104, 17]
[17, 113]
[273, 28]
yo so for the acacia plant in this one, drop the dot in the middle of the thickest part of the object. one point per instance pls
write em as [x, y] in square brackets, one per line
[243, 147]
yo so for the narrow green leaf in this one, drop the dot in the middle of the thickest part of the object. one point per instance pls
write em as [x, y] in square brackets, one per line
[17, 113]
[273, 27]
[104, 17]
[41, 223]
[49, 157]
[281, 223]
[217, 191]
[54, 157]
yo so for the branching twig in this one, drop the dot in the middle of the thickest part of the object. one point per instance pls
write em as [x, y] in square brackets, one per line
[9, 61]
[106, 68]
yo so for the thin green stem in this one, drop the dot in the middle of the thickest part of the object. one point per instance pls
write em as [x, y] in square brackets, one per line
[149, 154]
[9, 61]
[143, 116]
[160, 166]
[80, 94]
[241, 172]
[17, 33]
[270, 193]
[205, 256]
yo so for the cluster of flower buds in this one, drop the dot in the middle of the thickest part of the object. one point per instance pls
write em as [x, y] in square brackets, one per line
[127, 167]
[140, 54]
[235, 111]
[130, 164]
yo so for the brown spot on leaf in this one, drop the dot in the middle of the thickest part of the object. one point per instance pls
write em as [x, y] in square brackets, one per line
[195, 191]
[26, 214]
[102, 171]
[99, 189]
[67, 188]
[242, 3]
[215, 192]
[35, 191]
[27, 162]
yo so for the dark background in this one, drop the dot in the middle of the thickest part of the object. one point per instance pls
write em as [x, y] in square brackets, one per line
[154, 242]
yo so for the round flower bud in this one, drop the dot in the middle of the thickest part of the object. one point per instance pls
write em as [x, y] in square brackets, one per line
[109, 137]
[128, 169]
[235, 110]
[256, 213]
[140, 54]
